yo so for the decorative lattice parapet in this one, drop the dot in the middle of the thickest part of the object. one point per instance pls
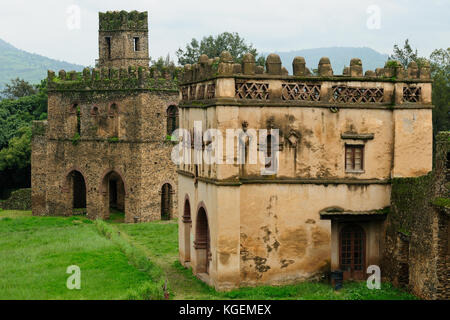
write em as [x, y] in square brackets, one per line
[123, 21]
[222, 78]
[113, 79]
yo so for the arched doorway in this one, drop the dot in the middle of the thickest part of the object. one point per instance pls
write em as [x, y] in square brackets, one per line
[113, 188]
[77, 191]
[202, 242]
[187, 225]
[166, 201]
[352, 252]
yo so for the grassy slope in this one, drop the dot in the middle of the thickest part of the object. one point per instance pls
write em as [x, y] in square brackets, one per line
[160, 241]
[35, 253]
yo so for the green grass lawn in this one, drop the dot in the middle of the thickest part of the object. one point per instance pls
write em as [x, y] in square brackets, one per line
[35, 252]
[160, 242]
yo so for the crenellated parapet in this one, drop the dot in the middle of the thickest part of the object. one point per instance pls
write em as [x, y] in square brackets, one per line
[131, 78]
[222, 78]
[123, 21]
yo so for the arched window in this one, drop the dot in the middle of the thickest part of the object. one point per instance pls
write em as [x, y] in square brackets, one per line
[94, 111]
[270, 161]
[187, 223]
[113, 123]
[172, 119]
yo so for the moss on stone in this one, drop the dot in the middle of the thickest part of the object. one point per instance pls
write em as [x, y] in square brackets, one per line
[441, 202]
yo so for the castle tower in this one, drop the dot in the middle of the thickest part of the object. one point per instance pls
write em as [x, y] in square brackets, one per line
[123, 39]
[104, 147]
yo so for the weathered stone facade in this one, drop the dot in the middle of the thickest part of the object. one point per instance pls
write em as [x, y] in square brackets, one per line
[417, 251]
[240, 227]
[105, 143]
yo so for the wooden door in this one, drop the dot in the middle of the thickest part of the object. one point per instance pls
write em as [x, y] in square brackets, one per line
[352, 252]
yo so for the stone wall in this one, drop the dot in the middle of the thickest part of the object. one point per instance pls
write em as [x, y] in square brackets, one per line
[97, 132]
[417, 229]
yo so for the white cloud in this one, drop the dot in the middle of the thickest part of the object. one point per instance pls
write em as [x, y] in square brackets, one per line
[40, 26]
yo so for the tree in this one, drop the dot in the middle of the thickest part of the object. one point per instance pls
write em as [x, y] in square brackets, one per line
[407, 54]
[18, 153]
[440, 72]
[214, 46]
[19, 88]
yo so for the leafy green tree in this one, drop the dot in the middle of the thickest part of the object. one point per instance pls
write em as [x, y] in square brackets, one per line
[440, 72]
[214, 46]
[18, 153]
[15, 137]
[19, 88]
[165, 65]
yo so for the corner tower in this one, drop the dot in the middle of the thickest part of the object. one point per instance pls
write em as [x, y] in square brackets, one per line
[123, 39]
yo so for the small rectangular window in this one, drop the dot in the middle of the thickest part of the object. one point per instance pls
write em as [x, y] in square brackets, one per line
[136, 44]
[354, 158]
[108, 47]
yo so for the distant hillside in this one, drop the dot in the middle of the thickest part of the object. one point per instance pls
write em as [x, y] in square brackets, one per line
[339, 57]
[31, 67]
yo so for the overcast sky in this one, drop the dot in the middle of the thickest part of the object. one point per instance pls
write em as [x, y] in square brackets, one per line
[43, 26]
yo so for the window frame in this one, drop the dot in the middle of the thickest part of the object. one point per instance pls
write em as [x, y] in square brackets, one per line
[353, 147]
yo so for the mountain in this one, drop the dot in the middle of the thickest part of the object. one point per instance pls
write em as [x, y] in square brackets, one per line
[339, 57]
[29, 66]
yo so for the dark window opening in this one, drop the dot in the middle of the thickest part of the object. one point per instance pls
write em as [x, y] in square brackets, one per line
[78, 111]
[354, 158]
[108, 47]
[270, 161]
[172, 119]
[79, 190]
[448, 160]
[136, 44]
[166, 202]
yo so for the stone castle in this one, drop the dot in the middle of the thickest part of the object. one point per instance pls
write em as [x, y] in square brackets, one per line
[105, 143]
[346, 142]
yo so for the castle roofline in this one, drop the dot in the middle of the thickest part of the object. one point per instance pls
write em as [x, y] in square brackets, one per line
[123, 21]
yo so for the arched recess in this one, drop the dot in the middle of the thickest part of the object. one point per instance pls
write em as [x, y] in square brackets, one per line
[352, 252]
[113, 191]
[113, 121]
[167, 193]
[202, 243]
[75, 187]
[172, 119]
[187, 225]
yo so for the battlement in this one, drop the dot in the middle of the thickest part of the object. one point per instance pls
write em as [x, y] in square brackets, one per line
[132, 78]
[123, 21]
[390, 85]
